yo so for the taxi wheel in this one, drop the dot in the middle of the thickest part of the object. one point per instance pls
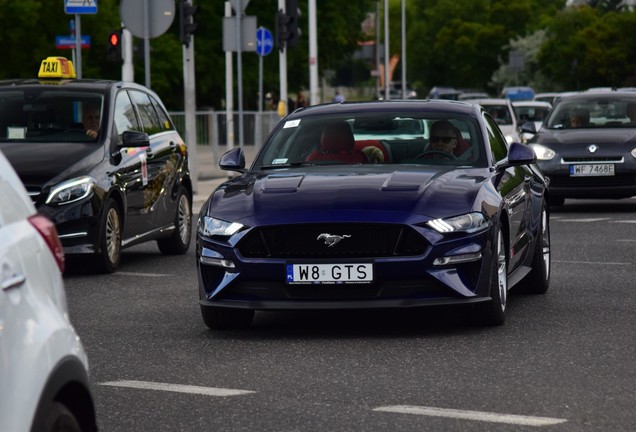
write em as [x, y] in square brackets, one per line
[109, 257]
[218, 318]
[493, 312]
[179, 242]
[538, 280]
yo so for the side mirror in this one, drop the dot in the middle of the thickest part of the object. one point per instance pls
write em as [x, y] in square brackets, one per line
[529, 127]
[233, 160]
[518, 154]
[134, 139]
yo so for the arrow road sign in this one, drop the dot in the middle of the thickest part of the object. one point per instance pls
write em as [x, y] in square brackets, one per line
[264, 41]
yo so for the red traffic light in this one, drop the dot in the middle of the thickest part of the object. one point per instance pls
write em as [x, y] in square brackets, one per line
[114, 38]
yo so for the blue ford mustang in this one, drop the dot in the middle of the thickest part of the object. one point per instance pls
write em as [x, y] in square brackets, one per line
[385, 204]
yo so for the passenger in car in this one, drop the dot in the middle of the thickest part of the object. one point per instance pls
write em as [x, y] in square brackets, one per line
[579, 117]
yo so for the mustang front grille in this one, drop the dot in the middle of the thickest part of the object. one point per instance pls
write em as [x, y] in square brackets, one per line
[346, 240]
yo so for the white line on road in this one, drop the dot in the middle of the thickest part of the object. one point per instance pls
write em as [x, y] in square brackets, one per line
[625, 221]
[592, 262]
[472, 415]
[121, 273]
[584, 220]
[145, 385]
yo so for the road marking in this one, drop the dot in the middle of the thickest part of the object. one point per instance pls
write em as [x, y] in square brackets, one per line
[584, 220]
[121, 273]
[592, 262]
[473, 415]
[207, 391]
[625, 221]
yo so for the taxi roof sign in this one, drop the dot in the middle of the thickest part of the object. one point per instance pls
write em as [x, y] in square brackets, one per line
[56, 67]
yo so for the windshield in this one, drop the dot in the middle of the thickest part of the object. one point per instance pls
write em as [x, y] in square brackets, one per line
[49, 116]
[532, 113]
[594, 112]
[377, 138]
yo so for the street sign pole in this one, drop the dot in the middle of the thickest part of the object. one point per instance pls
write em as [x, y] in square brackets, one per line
[229, 94]
[190, 109]
[78, 46]
[282, 64]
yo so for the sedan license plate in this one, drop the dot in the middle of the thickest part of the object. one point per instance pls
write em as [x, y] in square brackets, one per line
[348, 273]
[592, 170]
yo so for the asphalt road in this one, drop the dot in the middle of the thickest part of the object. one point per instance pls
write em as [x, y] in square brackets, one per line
[563, 361]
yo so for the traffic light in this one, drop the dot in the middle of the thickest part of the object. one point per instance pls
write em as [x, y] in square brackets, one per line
[287, 31]
[293, 33]
[114, 46]
[187, 25]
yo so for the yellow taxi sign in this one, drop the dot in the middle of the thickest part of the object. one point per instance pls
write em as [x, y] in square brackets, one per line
[56, 67]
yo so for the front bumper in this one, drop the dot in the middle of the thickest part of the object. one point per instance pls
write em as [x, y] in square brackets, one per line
[227, 279]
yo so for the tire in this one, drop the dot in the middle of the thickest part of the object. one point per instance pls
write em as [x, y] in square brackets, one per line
[58, 419]
[179, 242]
[493, 312]
[109, 256]
[538, 280]
[218, 318]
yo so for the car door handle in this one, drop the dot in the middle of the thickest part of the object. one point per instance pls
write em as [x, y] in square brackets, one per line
[13, 281]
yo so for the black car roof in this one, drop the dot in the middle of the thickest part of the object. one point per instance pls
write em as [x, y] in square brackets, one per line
[84, 84]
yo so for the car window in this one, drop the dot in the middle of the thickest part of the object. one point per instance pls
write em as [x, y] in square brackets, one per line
[500, 113]
[47, 115]
[388, 138]
[497, 143]
[147, 114]
[601, 111]
[125, 117]
[164, 119]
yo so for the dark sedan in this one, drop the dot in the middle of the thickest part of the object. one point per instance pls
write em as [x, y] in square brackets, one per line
[587, 146]
[101, 159]
[339, 211]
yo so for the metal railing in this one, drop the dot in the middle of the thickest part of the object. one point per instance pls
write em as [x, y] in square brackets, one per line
[211, 126]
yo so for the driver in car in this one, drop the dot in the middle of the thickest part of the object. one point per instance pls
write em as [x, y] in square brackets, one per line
[90, 120]
[443, 138]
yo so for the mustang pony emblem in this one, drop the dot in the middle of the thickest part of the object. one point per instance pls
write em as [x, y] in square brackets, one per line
[331, 239]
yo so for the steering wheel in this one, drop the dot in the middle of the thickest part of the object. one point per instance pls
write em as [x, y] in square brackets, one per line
[442, 153]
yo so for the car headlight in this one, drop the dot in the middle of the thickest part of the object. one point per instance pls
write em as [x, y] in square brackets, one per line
[209, 227]
[71, 191]
[469, 223]
[542, 152]
[634, 153]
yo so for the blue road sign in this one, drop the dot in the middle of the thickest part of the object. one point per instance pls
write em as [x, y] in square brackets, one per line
[80, 6]
[264, 41]
[68, 42]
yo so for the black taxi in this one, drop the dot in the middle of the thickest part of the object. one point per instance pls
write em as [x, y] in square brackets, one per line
[102, 159]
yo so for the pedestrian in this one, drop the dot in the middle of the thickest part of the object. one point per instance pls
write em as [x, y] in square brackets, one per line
[301, 102]
[338, 98]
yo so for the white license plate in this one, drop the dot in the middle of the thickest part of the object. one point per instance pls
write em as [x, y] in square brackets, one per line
[350, 273]
[592, 170]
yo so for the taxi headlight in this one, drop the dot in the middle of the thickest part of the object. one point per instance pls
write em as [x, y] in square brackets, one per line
[71, 191]
[468, 223]
[209, 227]
[542, 152]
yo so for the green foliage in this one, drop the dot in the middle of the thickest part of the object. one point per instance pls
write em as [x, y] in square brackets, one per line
[449, 42]
[588, 48]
